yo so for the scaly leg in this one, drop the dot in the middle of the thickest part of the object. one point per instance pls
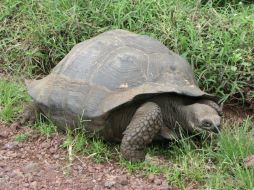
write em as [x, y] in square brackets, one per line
[145, 124]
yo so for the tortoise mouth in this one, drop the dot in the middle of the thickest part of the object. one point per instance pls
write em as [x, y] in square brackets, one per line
[213, 125]
[213, 129]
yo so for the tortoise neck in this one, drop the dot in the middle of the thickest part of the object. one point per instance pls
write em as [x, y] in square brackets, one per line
[174, 110]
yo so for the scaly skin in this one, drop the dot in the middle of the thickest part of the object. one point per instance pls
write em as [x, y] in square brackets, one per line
[146, 123]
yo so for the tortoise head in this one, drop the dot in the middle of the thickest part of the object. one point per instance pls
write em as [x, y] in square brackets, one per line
[203, 117]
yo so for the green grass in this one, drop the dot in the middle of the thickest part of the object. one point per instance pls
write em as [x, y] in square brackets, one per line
[12, 96]
[45, 126]
[21, 137]
[77, 142]
[215, 36]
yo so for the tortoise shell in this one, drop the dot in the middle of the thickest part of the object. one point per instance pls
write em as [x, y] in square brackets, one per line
[112, 69]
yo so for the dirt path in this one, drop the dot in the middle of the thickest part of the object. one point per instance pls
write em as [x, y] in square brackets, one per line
[39, 163]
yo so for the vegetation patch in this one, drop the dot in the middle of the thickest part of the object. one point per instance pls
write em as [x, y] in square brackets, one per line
[12, 97]
[21, 137]
[216, 37]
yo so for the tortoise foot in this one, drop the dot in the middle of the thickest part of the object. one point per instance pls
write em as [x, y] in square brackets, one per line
[145, 124]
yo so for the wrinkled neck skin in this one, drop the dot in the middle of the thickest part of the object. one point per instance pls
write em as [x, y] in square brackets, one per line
[175, 111]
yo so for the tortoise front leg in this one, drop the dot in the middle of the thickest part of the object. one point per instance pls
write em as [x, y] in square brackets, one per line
[145, 124]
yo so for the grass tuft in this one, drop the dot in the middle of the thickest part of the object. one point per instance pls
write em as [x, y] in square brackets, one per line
[93, 147]
[12, 97]
[44, 126]
[215, 36]
[21, 137]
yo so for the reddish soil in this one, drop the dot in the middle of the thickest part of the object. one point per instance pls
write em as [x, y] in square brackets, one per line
[39, 163]
[237, 113]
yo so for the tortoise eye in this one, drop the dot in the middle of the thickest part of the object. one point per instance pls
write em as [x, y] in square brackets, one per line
[206, 124]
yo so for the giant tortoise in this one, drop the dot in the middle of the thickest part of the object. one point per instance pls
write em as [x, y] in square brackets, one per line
[126, 87]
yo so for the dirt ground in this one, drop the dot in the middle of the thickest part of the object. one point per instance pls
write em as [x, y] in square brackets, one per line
[236, 113]
[39, 163]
